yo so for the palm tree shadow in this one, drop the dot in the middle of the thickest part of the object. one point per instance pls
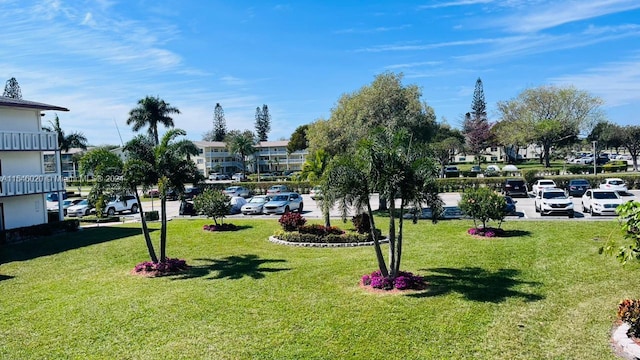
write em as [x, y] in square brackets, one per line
[5, 277]
[515, 233]
[477, 284]
[232, 267]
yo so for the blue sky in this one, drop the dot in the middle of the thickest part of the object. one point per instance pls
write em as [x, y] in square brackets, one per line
[98, 58]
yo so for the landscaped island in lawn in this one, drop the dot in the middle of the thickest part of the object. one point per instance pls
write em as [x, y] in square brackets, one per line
[545, 293]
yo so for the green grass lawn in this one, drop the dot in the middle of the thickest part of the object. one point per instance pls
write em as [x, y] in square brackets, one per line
[543, 293]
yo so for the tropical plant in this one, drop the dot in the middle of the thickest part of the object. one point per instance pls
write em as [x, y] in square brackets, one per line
[152, 111]
[167, 165]
[212, 203]
[629, 217]
[66, 142]
[242, 144]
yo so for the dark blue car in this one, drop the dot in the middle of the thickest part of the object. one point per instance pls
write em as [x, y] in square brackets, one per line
[577, 187]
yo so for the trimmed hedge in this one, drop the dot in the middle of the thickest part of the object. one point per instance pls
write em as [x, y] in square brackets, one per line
[30, 232]
[329, 238]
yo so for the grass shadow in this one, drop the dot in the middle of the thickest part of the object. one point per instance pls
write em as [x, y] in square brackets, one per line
[5, 277]
[232, 267]
[477, 284]
[515, 233]
[54, 244]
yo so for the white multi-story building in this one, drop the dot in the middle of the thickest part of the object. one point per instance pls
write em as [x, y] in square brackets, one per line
[273, 156]
[23, 180]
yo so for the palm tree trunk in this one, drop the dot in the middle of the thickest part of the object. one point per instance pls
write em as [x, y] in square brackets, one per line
[376, 243]
[163, 230]
[396, 270]
[145, 230]
[392, 238]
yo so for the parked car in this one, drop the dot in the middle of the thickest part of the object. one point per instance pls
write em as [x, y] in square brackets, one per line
[542, 184]
[120, 204]
[552, 201]
[283, 203]
[255, 205]
[614, 184]
[451, 171]
[83, 208]
[601, 202]
[239, 177]
[215, 176]
[237, 203]
[476, 169]
[577, 187]
[277, 189]
[66, 204]
[53, 197]
[236, 191]
[510, 208]
[316, 193]
[187, 208]
[515, 187]
[190, 192]
[153, 193]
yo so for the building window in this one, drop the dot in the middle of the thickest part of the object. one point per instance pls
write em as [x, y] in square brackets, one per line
[494, 149]
[494, 158]
[462, 158]
[200, 161]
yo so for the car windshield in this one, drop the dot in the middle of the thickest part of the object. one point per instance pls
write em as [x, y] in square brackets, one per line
[579, 182]
[258, 200]
[547, 183]
[281, 198]
[516, 182]
[554, 195]
[616, 182]
[605, 195]
[232, 189]
[84, 202]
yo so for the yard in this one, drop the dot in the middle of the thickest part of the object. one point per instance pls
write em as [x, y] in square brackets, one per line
[542, 293]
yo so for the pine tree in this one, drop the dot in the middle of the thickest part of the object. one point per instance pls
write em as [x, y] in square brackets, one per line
[263, 122]
[476, 127]
[219, 123]
[12, 89]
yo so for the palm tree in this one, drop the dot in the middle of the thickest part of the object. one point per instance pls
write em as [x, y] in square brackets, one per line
[66, 142]
[386, 162]
[150, 112]
[242, 144]
[166, 164]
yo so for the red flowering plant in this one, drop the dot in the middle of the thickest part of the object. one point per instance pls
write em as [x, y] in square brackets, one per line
[167, 267]
[292, 221]
[403, 281]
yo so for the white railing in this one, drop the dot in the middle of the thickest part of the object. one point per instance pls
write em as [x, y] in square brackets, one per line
[28, 141]
[14, 185]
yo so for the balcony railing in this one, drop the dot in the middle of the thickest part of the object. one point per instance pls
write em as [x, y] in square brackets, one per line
[14, 185]
[28, 141]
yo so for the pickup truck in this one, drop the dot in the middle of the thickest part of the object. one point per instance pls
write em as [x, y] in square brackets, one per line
[121, 204]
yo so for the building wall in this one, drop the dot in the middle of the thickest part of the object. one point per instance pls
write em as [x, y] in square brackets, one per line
[20, 120]
[25, 210]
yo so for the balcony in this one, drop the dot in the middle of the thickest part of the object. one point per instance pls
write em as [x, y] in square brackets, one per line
[28, 141]
[15, 185]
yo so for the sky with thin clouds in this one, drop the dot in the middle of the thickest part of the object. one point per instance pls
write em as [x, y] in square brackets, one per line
[98, 58]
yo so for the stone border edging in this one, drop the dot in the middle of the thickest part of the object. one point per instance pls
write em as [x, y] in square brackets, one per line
[623, 345]
[274, 239]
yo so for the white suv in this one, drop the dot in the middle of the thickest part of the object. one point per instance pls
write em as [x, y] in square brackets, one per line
[552, 201]
[122, 203]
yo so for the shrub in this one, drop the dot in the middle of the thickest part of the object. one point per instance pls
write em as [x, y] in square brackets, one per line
[296, 237]
[629, 218]
[483, 204]
[212, 203]
[629, 312]
[161, 268]
[320, 230]
[486, 232]
[403, 281]
[291, 221]
[361, 223]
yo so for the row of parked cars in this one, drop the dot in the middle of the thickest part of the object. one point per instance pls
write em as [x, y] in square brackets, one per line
[79, 207]
[551, 200]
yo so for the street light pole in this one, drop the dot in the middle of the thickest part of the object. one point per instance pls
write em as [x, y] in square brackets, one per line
[595, 157]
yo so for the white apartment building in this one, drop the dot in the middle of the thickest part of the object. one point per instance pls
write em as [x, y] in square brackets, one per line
[23, 180]
[273, 156]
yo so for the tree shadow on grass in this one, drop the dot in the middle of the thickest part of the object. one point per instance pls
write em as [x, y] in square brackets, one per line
[231, 267]
[515, 233]
[5, 277]
[477, 284]
[49, 245]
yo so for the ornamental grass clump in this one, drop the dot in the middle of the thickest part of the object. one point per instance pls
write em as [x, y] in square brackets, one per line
[629, 312]
[403, 281]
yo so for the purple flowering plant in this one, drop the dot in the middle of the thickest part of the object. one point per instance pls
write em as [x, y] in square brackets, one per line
[404, 281]
[161, 268]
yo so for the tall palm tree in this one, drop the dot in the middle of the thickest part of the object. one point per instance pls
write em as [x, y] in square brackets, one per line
[241, 143]
[150, 112]
[166, 164]
[66, 142]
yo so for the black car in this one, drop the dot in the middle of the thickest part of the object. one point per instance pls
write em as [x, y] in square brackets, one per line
[515, 187]
[451, 171]
[190, 192]
[577, 187]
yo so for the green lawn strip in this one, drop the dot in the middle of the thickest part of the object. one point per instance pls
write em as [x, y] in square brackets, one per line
[544, 293]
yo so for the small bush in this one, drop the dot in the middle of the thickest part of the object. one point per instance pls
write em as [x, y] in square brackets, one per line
[486, 232]
[292, 221]
[220, 227]
[297, 237]
[320, 230]
[361, 223]
[404, 281]
[161, 268]
[629, 312]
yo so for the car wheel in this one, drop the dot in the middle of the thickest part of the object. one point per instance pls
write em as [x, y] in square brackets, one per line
[286, 210]
[300, 208]
[87, 212]
[536, 208]
[593, 213]
[584, 209]
[111, 211]
[571, 215]
[134, 208]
